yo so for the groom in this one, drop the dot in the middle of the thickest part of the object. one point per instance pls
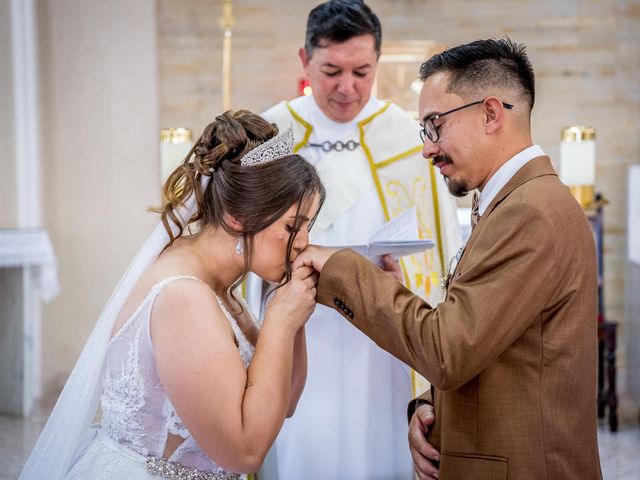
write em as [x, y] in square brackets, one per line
[511, 351]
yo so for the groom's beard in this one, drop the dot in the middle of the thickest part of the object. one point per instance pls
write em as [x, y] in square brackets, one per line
[457, 187]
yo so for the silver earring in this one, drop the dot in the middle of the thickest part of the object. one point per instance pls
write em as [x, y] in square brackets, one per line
[239, 247]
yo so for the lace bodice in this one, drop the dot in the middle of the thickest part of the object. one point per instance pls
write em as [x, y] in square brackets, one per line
[136, 411]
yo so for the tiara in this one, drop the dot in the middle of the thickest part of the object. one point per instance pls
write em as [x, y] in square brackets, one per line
[276, 147]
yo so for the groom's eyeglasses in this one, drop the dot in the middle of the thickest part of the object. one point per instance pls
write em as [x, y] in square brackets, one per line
[430, 130]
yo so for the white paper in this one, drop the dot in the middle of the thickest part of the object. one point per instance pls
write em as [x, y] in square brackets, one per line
[634, 214]
[398, 237]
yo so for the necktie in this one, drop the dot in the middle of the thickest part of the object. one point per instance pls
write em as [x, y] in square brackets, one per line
[475, 204]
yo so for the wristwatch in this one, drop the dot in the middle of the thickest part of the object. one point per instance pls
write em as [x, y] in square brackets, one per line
[413, 405]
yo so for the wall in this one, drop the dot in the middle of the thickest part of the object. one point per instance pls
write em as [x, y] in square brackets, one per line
[98, 76]
[586, 54]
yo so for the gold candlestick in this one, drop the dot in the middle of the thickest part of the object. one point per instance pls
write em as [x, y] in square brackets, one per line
[577, 163]
[226, 23]
[175, 143]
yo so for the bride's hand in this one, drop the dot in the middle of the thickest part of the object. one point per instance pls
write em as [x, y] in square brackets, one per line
[293, 303]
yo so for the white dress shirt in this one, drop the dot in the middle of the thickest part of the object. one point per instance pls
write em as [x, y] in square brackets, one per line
[505, 173]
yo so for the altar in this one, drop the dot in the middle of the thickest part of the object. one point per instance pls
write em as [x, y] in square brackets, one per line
[28, 275]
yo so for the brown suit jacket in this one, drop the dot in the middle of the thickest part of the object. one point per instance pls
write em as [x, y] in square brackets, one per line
[511, 351]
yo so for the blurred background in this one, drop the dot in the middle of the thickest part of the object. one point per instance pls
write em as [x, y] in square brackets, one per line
[86, 87]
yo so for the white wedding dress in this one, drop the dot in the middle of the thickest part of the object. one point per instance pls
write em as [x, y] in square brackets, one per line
[137, 415]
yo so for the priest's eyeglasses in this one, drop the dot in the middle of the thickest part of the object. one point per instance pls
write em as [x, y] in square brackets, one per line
[430, 130]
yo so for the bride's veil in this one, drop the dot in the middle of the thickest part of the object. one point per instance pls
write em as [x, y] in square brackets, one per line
[62, 436]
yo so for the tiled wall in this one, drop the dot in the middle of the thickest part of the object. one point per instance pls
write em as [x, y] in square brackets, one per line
[586, 54]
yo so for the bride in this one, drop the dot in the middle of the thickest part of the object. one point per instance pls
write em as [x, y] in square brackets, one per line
[187, 385]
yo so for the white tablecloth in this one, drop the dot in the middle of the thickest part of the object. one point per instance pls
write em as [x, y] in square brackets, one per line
[31, 247]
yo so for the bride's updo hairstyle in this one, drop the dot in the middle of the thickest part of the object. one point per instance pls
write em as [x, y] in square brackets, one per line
[255, 195]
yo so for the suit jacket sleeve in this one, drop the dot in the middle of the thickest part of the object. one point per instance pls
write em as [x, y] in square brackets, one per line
[497, 293]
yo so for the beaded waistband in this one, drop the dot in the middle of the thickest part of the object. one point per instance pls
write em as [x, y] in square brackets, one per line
[163, 468]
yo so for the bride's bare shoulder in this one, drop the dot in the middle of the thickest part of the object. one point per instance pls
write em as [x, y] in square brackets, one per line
[188, 307]
[185, 295]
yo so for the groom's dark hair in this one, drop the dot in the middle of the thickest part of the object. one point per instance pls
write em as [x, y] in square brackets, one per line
[337, 21]
[484, 65]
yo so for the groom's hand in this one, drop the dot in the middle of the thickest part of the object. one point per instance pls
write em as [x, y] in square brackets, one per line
[422, 451]
[313, 256]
